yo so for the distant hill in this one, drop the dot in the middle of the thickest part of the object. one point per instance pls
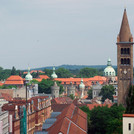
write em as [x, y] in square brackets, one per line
[73, 67]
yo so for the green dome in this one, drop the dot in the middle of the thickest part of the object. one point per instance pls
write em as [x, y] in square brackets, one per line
[109, 70]
[28, 77]
[54, 74]
[82, 86]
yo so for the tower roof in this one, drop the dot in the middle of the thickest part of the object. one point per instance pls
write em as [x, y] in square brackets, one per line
[125, 34]
[28, 76]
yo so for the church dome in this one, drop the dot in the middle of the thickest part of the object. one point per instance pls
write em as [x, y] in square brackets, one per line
[54, 74]
[82, 86]
[28, 77]
[109, 70]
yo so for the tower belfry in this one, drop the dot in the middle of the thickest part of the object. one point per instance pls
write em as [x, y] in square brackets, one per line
[124, 60]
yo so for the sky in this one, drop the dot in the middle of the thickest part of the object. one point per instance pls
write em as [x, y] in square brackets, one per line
[39, 33]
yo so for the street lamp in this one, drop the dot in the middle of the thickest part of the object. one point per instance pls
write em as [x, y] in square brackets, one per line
[28, 78]
[26, 82]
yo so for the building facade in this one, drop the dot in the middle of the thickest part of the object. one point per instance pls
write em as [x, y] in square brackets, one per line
[3, 122]
[128, 123]
[55, 90]
[124, 60]
[38, 110]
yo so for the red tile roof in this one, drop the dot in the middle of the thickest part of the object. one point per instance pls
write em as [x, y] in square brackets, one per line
[5, 96]
[14, 80]
[92, 106]
[128, 115]
[38, 79]
[62, 100]
[43, 76]
[71, 120]
[107, 101]
[1, 83]
[59, 107]
[86, 81]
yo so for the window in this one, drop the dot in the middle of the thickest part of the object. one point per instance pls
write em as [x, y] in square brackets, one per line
[128, 51]
[94, 93]
[125, 61]
[121, 50]
[121, 61]
[129, 126]
[115, 93]
[128, 61]
[125, 50]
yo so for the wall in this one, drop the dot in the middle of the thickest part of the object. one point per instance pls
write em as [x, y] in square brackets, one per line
[126, 121]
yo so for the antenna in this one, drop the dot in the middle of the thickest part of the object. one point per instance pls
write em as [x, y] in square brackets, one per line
[125, 4]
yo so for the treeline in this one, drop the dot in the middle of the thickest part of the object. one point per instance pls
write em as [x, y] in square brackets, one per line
[82, 73]
[61, 72]
[5, 73]
[104, 120]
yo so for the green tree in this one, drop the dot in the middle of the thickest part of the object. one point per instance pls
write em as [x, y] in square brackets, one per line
[45, 86]
[130, 101]
[89, 72]
[107, 91]
[48, 72]
[63, 73]
[13, 71]
[33, 82]
[61, 87]
[72, 96]
[8, 87]
[90, 93]
[106, 120]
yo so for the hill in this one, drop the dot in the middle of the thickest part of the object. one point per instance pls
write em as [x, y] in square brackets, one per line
[73, 67]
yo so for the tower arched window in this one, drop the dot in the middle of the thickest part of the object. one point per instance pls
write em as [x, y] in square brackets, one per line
[122, 61]
[125, 61]
[128, 51]
[121, 50]
[125, 51]
[128, 61]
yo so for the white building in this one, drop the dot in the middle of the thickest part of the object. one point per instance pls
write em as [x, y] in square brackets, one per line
[128, 123]
[96, 89]
[4, 122]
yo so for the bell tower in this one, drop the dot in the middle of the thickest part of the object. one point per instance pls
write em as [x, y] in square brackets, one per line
[124, 60]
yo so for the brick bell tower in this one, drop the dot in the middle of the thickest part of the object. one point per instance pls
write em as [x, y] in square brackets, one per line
[124, 60]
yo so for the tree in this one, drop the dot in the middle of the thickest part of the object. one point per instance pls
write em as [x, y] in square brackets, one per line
[107, 91]
[90, 93]
[33, 82]
[106, 120]
[8, 87]
[13, 71]
[63, 73]
[48, 72]
[45, 86]
[72, 96]
[89, 72]
[130, 101]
